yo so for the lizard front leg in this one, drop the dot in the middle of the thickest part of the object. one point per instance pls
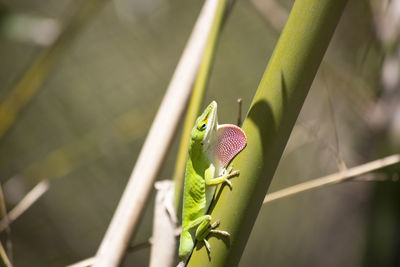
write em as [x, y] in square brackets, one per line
[224, 178]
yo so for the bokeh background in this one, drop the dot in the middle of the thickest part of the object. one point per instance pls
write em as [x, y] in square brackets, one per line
[81, 82]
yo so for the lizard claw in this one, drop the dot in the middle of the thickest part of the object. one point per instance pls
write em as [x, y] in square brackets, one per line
[234, 173]
[229, 170]
[215, 224]
[207, 245]
[220, 232]
[229, 183]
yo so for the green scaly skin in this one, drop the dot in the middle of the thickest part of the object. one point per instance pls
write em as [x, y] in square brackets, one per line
[200, 185]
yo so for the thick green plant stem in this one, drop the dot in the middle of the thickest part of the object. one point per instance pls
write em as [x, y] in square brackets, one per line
[268, 124]
[197, 99]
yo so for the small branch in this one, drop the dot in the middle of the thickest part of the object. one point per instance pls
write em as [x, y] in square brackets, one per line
[239, 120]
[4, 257]
[25, 203]
[5, 217]
[133, 248]
[334, 178]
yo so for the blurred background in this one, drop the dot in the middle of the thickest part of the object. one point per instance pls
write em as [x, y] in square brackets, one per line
[82, 80]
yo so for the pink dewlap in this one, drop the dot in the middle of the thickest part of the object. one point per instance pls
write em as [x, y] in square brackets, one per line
[230, 141]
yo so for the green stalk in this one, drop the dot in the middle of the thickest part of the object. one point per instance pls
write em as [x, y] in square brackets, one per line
[197, 99]
[268, 124]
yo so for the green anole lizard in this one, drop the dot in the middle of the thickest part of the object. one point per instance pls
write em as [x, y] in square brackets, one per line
[212, 147]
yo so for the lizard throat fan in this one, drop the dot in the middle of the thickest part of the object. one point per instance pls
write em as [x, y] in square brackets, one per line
[221, 142]
[230, 140]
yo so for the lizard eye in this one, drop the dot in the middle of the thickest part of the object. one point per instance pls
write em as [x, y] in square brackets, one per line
[203, 127]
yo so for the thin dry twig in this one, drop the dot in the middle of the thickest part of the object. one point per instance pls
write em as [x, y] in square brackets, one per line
[25, 203]
[133, 248]
[4, 256]
[163, 129]
[239, 120]
[334, 178]
[4, 216]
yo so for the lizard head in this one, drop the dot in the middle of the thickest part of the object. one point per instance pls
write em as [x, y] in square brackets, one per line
[205, 124]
